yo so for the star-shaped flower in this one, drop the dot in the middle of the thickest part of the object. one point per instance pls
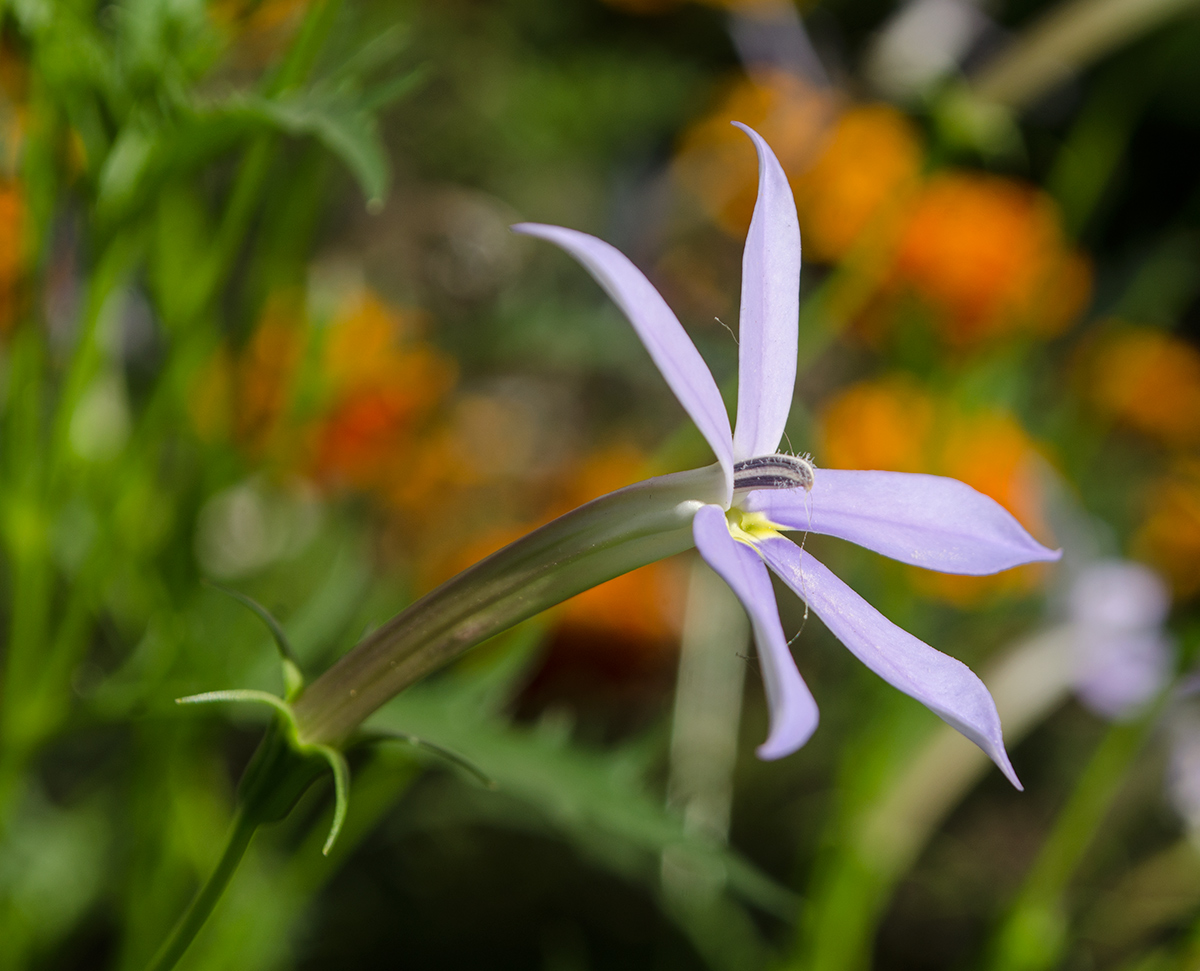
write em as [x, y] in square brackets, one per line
[930, 521]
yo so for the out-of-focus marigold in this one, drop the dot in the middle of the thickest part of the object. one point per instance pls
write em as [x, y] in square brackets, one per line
[988, 255]
[884, 424]
[12, 242]
[790, 113]
[381, 383]
[851, 174]
[266, 370]
[893, 424]
[374, 384]
[859, 187]
[1169, 538]
[1148, 380]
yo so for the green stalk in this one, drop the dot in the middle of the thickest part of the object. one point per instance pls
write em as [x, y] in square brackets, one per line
[893, 800]
[189, 925]
[1033, 936]
[1067, 39]
[609, 536]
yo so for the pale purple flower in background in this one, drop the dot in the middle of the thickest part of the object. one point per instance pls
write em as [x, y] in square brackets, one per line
[926, 520]
[1122, 657]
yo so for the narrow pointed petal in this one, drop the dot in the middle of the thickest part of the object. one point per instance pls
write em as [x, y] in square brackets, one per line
[659, 329]
[793, 710]
[943, 684]
[927, 520]
[770, 311]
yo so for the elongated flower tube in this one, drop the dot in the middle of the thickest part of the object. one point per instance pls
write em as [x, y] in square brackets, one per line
[735, 513]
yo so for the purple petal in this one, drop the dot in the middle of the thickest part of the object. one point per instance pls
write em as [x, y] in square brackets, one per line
[943, 684]
[659, 329]
[793, 710]
[927, 520]
[770, 311]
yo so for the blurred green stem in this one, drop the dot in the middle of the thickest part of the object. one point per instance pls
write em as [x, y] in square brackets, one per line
[240, 834]
[892, 801]
[1033, 936]
[1065, 40]
[275, 779]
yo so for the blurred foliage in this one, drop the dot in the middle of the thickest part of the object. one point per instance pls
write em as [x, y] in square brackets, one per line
[262, 322]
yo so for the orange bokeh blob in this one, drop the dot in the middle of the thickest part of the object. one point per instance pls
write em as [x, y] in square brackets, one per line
[892, 424]
[988, 255]
[1169, 538]
[881, 425]
[382, 384]
[266, 371]
[12, 250]
[1148, 380]
[718, 165]
[861, 183]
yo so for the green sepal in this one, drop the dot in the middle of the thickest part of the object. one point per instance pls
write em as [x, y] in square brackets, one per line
[293, 676]
[283, 767]
[375, 736]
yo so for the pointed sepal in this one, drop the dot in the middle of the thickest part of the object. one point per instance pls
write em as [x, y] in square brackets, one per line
[293, 676]
[375, 736]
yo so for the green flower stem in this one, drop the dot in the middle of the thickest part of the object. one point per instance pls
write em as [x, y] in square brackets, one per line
[240, 834]
[1034, 934]
[612, 535]
[275, 779]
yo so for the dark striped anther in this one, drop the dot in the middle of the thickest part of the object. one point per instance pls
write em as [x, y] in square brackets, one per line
[774, 472]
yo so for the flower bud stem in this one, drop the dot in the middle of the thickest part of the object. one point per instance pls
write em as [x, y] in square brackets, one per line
[275, 779]
[193, 919]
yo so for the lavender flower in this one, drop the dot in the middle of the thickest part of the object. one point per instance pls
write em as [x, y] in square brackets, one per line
[929, 521]
[1122, 656]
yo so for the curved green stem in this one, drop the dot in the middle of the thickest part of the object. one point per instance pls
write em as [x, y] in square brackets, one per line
[244, 827]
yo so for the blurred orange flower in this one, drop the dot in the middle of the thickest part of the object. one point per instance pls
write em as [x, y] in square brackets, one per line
[1148, 380]
[850, 173]
[883, 425]
[1169, 539]
[644, 606]
[893, 424]
[717, 165]
[266, 371]
[382, 383]
[866, 173]
[988, 254]
[12, 250]
[364, 402]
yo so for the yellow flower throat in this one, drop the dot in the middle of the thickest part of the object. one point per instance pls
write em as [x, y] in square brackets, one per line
[750, 527]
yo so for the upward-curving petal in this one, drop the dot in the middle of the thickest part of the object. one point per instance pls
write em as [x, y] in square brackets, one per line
[943, 684]
[770, 311]
[793, 710]
[927, 520]
[659, 329]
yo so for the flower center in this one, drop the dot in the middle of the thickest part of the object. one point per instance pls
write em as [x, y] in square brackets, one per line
[750, 527]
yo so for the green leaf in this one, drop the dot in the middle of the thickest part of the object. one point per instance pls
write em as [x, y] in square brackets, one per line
[342, 125]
